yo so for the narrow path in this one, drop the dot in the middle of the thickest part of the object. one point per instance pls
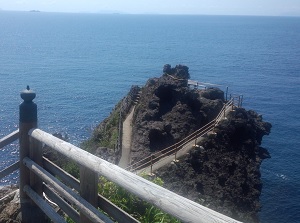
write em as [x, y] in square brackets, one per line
[185, 149]
[168, 159]
[126, 140]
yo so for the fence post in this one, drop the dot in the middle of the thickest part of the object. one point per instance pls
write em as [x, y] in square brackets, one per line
[88, 189]
[175, 159]
[27, 121]
[151, 168]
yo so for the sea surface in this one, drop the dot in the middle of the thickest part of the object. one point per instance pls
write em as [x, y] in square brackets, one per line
[81, 65]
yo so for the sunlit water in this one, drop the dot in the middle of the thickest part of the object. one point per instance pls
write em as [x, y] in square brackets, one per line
[81, 65]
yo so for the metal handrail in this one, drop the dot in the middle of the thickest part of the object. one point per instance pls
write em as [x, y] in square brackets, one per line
[173, 148]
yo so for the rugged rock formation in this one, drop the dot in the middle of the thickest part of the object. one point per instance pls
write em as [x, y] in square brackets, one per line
[169, 110]
[223, 173]
[9, 205]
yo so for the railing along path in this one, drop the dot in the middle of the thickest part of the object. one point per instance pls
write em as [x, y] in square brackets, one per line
[173, 149]
[39, 181]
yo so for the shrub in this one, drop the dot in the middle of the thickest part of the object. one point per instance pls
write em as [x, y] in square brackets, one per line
[139, 209]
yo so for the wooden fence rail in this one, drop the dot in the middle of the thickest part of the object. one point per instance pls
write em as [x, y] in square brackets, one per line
[37, 180]
[178, 206]
[6, 140]
[103, 203]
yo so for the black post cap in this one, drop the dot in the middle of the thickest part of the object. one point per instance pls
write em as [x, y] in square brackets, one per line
[28, 109]
[28, 95]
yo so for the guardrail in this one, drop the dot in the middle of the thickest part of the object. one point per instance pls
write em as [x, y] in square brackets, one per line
[173, 149]
[10, 138]
[118, 146]
[37, 178]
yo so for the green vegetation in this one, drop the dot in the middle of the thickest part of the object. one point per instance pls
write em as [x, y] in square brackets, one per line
[106, 134]
[108, 137]
[72, 168]
[139, 209]
[69, 220]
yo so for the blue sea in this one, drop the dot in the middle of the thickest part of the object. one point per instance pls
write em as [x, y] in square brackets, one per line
[81, 65]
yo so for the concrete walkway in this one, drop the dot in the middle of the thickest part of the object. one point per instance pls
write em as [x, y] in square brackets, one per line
[185, 149]
[126, 140]
[168, 159]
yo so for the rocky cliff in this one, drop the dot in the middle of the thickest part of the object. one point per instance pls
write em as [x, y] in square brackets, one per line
[169, 110]
[10, 205]
[223, 173]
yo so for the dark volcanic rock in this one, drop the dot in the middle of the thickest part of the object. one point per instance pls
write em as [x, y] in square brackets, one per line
[168, 110]
[179, 71]
[9, 205]
[212, 94]
[223, 173]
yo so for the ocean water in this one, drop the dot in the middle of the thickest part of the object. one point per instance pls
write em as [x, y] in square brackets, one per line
[81, 65]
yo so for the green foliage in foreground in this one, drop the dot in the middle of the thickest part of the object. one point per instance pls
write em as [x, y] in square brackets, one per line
[69, 220]
[139, 209]
[72, 168]
[106, 136]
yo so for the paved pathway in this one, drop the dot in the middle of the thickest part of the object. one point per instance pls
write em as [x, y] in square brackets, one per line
[186, 148]
[126, 140]
[168, 159]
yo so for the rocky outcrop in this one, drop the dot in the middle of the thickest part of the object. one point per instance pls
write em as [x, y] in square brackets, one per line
[9, 205]
[224, 172]
[169, 110]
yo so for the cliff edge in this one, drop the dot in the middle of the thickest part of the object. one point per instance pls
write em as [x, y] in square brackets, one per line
[223, 172]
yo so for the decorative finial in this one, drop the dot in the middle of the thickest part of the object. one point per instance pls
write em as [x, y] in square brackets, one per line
[27, 95]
